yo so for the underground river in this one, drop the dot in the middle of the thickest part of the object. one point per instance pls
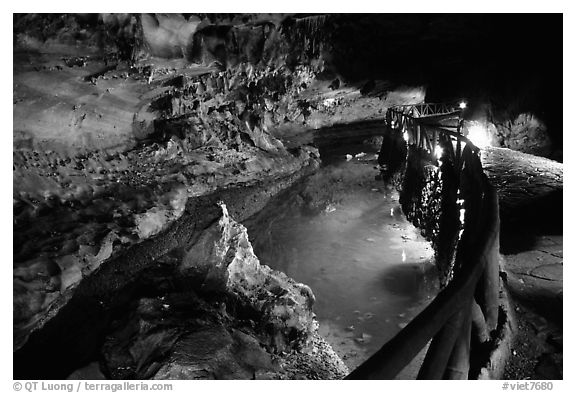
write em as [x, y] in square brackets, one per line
[343, 233]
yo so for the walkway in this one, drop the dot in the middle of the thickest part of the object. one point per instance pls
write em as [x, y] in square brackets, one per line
[535, 282]
[523, 180]
[530, 193]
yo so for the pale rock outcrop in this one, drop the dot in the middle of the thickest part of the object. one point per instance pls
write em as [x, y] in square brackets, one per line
[237, 319]
[224, 257]
[526, 133]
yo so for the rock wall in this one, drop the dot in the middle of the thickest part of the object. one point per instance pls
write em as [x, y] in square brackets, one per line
[528, 134]
[223, 260]
[109, 152]
[241, 320]
[195, 284]
[62, 240]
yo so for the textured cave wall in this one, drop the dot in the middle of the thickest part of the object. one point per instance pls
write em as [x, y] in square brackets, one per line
[95, 33]
[239, 76]
[272, 39]
[123, 146]
[65, 328]
[505, 65]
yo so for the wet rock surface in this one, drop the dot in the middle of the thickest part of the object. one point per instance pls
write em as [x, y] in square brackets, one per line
[246, 321]
[61, 241]
[526, 133]
[108, 152]
[530, 192]
[526, 184]
[207, 311]
[535, 281]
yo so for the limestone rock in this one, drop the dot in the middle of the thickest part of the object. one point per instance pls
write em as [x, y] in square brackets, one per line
[224, 257]
[168, 35]
[157, 218]
[215, 353]
[192, 339]
[526, 133]
[262, 327]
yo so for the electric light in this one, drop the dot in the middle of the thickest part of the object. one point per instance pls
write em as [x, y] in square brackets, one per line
[438, 151]
[479, 136]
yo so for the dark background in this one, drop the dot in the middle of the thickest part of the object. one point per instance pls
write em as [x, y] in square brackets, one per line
[511, 63]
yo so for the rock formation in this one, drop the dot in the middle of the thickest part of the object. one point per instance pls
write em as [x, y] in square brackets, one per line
[262, 327]
[128, 129]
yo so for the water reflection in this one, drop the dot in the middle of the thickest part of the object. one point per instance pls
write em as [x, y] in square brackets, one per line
[343, 233]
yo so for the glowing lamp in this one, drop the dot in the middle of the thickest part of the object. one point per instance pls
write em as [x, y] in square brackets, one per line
[462, 105]
[479, 136]
[405, 136]
[438, 151]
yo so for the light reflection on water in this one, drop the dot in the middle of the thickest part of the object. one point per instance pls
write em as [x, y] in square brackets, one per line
[370, 269]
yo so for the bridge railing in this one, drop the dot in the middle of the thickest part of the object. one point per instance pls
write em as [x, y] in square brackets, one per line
[466, 310]
[426, 136]
[428, 109]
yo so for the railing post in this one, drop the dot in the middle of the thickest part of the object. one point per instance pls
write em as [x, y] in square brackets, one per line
[459, 363]
[458, 145]
[428, 142]
[436, 360]
[489, 285]
[417, 132]
[479, 327]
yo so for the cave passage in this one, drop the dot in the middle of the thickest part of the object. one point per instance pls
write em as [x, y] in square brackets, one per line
[343, 233]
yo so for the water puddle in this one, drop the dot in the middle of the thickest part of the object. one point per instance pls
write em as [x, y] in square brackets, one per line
[343, 233]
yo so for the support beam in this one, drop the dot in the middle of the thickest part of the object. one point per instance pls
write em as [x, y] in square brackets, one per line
[459, 362]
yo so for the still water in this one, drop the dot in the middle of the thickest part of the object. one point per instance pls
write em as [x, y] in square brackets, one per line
[343, 233]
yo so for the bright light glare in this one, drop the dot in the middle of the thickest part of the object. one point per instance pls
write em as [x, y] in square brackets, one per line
[479, 136]
[438, 151]
[462, 105]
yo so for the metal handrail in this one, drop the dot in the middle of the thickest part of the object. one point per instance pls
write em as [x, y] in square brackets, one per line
[428, 109]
